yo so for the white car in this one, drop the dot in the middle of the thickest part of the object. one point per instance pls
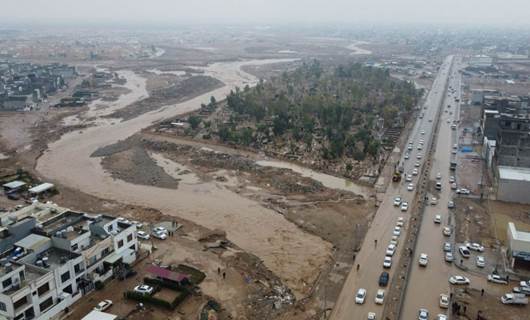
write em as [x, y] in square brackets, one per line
[371, 315]
[438, 176]
[422, 132]
[400, 222]
[390, 250]
[415, 172]
[481, 262]
[143, 235]
[409, 147]
[453, 186]
[433, 201]
[360, 296]
[447, 231]
[138, 224]
[424, 260]
[437, 219]
[387, 263]
[444, 301]
[448, 247]
[524, 283]
[159, 235]
[404, 206]
[464, 251]
[410, 187]
[423, 314]
[495, 278]
[417, 164]
[452, 179]
[397, 231]
[475, 246]
[449, 257]
[397, 201]
[450, 204]
[144, 289]
[160, 229]
[458, 280]
[408, 177]
[419, 156]
[420, 147]
[407, 156]
[441, 316]
[103, 305]
[380, 296]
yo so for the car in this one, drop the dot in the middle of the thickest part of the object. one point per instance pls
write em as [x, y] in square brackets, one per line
[409, 147]
[400, 221]
[360, 296]
[458, 280]
[380, 296]
[410, 187]
[430, 120]
[475, 246]
[464, 251]
[103, 305]
[397, 201]
[438, 176]
[452, 179]
[463, 191]
[524, 283]
[444, 301]
[419, 147]
[383, 279]
[390, 250]
[423, 314]
[433, 201]
[422, 132]
[453, 186]
[453, 152]
[437, 219]
[447, 231]
[408, 177]
[407, 155]
[495, 278]
[441, 316]
[415, 172]
[450, 204]
[142, 235]
[404, 206]
[449, 257]
[448, 247]
[523, 290]
[371, 315]
[419, 156]
[387, 262]
[159, 235]
[424, 260]
[160, 229]
[138, 224]
[438, 186]
[144, 289]
[397, 231]
[417, 164]
[480, 261]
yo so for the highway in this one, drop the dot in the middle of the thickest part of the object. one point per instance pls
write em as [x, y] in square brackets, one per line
[370, 257]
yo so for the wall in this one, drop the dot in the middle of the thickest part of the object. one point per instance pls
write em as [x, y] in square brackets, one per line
[513, 191]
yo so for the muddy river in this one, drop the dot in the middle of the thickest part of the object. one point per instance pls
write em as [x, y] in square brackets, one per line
[294, 255]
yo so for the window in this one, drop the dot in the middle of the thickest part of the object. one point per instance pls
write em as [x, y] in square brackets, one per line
[46, 304]
[22, 301]
[65, 276]
[6, 283]
[129, 238]
[43, 289]
[133, 247]
[3, 306]
[120, 244]
[78, 268]
[75, 247]
[68, 289]
[22, 276]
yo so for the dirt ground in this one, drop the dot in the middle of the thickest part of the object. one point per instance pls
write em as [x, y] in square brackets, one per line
[490, 307]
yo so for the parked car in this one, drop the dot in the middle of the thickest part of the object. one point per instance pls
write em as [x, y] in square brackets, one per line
[433, 201]
[447, 231]
[408, 177]
[143, 235]
[360, 296]
[448, 247]
[449, 257]
[410, 187]
[390, 250]
[397, 201]
[450, 204]
[481, 262]
[424, 260]
[464, 251]
[383, 279]
[458, 280]
[371, 315]
[475, 246]
[423, 314]
[103, 305]
[417, 164]
[453, 186]
[387, 263]
[441, 316]
[438, 219]
[400, 222]
[438, 176]
[397, 231]
[144, 289]
[404, 206]
[444, 301]
[160, 229]
[415, 172]
[495, 278]
[523, 290]
[514, 298]
[407, 156]
[452, 179]
[380, 296]
[438, 186]
[525, 283]
[159, 235]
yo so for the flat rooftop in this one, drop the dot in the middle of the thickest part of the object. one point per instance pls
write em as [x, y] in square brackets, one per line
[514, 173]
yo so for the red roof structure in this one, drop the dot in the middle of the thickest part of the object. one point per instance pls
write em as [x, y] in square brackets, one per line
[167, 274]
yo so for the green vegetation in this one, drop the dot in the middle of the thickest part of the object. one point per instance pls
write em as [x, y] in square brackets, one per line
[331, 110]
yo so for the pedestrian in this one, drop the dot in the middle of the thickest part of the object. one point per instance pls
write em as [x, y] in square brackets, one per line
[507, 278]
[358, 266]
[224, 275]
[461, 261]
[375, 241]
[482, 292]
[465, 309]
[451, 296]
[218, 270]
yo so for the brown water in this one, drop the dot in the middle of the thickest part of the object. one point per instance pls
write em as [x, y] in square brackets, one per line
[294, 255]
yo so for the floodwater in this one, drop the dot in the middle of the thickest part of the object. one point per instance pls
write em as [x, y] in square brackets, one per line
[175, 169]
[291, 253]
[158, 72]
[327, 180]
[358, 50]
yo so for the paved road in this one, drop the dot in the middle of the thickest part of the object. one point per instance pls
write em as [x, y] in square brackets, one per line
[370, 257]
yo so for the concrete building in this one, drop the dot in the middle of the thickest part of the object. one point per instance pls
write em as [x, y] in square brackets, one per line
[518, 247]
[513, 184]
[481, 61]
[513, 140]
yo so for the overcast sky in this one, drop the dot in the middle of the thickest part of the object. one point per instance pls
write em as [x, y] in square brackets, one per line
[267, 11]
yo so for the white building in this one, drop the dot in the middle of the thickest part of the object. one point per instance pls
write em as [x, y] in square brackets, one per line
[481, 61]
[513, 184]
[518, 247]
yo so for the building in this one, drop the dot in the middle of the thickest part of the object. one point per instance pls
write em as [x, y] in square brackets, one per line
[518, 247]
[51, 256]
[14, 103]
[513, 140]
[98, 315]
[481, 61]
[513, 184]
[14, 186]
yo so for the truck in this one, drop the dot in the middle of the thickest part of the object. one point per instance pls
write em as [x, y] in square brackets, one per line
[514, 298]
[396, 177]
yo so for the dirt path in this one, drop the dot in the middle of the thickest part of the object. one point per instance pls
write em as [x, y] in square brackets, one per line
[294, 255]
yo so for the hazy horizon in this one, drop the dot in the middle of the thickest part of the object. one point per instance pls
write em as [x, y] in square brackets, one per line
[163, 12]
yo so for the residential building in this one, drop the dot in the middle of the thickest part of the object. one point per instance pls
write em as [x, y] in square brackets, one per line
[518, 253]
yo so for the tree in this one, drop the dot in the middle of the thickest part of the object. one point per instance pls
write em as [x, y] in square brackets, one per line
[194, 121]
